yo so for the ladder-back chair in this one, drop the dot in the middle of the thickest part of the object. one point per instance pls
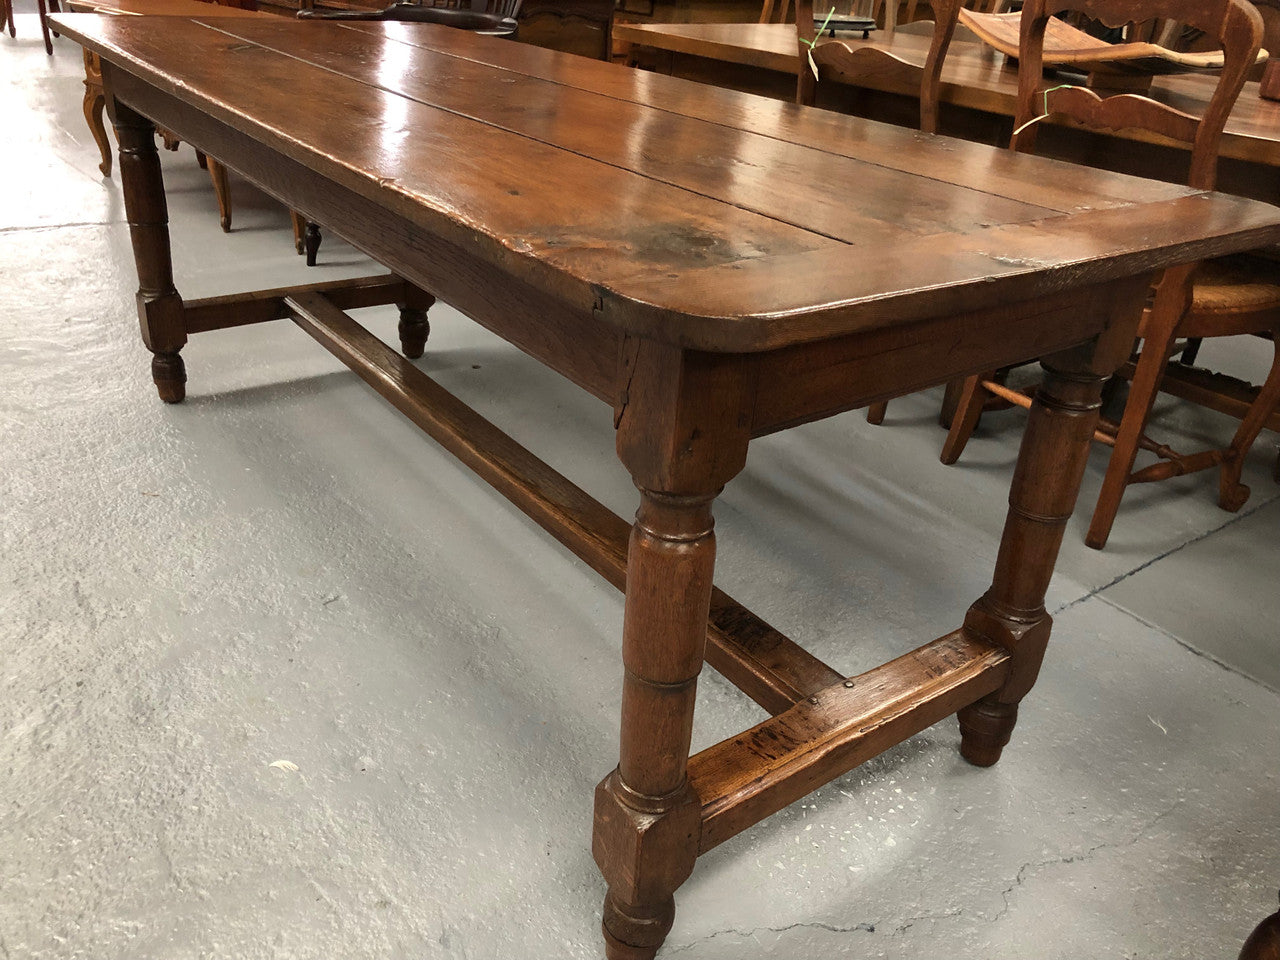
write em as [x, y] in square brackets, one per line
[1222, 297]
[851, 63]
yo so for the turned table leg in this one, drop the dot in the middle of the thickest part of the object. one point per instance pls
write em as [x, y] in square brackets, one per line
[1046, 482]
[311, 242]
[414, 327]
[159, 306]
[681, 437]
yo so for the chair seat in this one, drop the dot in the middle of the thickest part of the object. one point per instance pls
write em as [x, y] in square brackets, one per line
[1242, 284]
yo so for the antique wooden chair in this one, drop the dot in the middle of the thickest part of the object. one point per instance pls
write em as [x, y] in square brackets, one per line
[488, 16]
[1224, 297]
[6, 20]
[584, 27]
[852, 64]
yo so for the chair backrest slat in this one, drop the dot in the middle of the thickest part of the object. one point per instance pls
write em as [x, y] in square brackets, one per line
[1235, 24]
[854, 63]
[775, 11]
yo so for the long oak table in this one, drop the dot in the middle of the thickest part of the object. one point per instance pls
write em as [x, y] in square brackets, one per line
[697, 260]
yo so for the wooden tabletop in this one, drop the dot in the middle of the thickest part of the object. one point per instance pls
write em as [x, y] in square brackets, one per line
[710, 219]
[771, 46]
[973, 75]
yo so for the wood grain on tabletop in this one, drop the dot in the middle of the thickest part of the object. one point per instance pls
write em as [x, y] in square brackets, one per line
[966, 164]
[536, 195]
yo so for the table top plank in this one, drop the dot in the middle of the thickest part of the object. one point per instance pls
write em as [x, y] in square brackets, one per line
[789, 182]
[373, 140]
[616, 245]
[953, 274]
[999, 172]
[973, 75]
[771, 46]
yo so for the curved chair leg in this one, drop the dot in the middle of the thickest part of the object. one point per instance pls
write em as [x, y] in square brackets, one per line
[7, 19]
[1232, 494]
[94, 102]
[964, 419]
[876, 412]
[299, 223]
[44, 26]
[1171, 300]
[222, 190]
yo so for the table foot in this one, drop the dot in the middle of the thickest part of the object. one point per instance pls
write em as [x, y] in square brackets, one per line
[639, 931]
[414, 329]
[311, 242]
[170, 376]
[985, 729]
[1264, 942]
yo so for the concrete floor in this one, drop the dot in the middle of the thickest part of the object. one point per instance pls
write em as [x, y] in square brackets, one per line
[283, 569]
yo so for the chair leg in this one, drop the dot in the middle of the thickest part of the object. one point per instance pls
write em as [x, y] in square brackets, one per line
[299, 223]
[1232, 494]
[950, 403]
[54, 7]
[221, 190]
[94, 102]
[8, 17]
[876, 412]
[44, 26]
[1172, 297]
[964, 419]
[1190, 351]
[311, 242]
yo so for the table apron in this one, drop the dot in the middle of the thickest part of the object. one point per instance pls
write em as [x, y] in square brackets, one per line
[566, 339]
[794, 385]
